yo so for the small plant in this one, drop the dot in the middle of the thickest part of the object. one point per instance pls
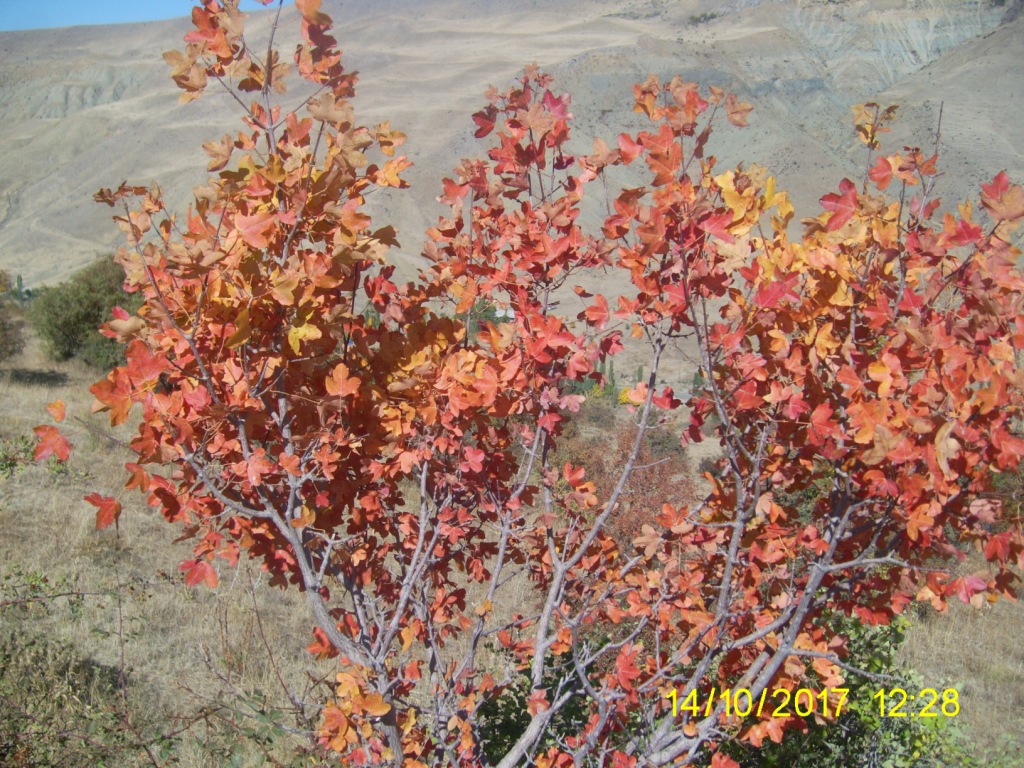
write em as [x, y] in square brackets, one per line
[13, 454]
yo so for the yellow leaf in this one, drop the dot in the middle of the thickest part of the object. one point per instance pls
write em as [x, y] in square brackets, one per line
[242, 330]
[306, 517]
[284, 288]
[299, 333]
[484, 608]
[407, 637]
[274, 170]
[374, 705]
[842, 297]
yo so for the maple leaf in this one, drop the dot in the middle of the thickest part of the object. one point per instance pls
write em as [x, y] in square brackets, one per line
[485, 120]
[737, 111]
[339, 383]
[629, 149]
[598, 313]
[718, 225]
[51, 443]
[1004, 202]
[843, 206]
[474, 460]
[537, 702]
[666, 400]
[198, 571]
[721, 760]
[255, 229]
[220, 152]
[626, 670]
[300, 333]
[372, 704]
[573, 475]
[57, 410]
[881, 173]
[108, 510]
[310, 10]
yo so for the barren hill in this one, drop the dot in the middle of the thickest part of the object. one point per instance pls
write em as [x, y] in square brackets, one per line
[87, 107]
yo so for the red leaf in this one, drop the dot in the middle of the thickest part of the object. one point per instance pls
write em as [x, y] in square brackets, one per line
[842, 206]
[108, 510]
[718, 225]
[485, 119]
[666, 400]
[197, 571]
[51, 443]
[573, 475]
[597, 314]
[474, 460]
[998, 547]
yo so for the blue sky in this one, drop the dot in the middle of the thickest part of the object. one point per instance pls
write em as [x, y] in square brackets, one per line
[34, 14]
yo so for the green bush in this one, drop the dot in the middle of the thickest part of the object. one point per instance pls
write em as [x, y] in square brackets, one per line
[67, 316]
[860, 737]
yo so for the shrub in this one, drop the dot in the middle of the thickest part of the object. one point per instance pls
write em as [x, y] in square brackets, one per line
[68, 315]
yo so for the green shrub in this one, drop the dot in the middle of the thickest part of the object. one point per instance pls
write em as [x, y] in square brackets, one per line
[860, 737]
[67, 316]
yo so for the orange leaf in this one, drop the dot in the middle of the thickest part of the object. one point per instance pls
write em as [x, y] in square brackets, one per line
[373, 704]
[197, 571]
[51, 443]
[56, 409]
[108, 510]
[255, 229]
[310, 10]
[339, 383]
[737, 110]
[1004, 201]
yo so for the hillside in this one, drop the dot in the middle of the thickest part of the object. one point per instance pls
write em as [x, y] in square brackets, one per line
[86, 107]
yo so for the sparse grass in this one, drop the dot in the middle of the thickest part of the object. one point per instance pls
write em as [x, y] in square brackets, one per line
[187, 652]
[981, 653]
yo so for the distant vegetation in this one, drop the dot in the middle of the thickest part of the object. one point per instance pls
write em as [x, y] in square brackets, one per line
[11, 339]
[67, 316]
[702, 18]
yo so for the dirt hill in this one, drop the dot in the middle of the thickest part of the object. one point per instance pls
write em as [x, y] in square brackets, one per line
[86, 107]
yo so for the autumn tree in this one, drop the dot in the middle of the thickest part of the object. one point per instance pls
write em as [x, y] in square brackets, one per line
[400, 472]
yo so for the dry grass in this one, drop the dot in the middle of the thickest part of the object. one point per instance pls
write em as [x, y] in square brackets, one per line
[980, 652]
[170, 634]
